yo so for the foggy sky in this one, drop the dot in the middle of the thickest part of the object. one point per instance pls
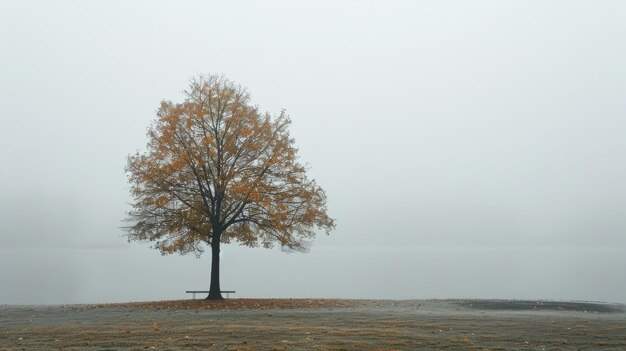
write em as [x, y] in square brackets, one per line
[468, 149]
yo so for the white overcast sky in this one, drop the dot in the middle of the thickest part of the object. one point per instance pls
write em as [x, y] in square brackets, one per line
[467, 148]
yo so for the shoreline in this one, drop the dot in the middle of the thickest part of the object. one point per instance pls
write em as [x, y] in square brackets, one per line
[253, 303]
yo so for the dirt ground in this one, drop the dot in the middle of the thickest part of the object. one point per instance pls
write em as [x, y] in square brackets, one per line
[312, 324]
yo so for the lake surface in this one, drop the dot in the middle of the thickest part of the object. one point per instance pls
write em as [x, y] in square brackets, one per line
[67, 276]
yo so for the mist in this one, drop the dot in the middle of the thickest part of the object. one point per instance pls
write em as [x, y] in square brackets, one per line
[467, 149]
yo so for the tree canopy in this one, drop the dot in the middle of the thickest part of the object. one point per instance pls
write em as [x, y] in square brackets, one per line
[216, 170]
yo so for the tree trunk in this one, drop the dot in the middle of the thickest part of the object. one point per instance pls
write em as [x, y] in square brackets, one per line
[215, 292]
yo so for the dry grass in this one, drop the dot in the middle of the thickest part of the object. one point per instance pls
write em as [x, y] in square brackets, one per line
[230, 304]
[301, 324]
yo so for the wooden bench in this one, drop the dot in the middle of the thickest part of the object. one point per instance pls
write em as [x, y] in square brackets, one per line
[194, 292]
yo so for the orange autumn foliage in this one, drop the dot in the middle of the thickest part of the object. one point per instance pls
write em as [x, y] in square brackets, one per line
[217, 170]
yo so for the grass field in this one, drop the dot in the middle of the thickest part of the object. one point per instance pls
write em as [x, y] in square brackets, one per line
[311, 324]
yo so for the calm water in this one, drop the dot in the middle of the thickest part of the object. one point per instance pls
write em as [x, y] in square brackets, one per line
[85, 276]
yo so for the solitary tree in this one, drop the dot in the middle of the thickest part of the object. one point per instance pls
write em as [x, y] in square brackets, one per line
[216, 170]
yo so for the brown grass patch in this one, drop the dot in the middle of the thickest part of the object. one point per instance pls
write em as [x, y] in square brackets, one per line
[230, 304]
